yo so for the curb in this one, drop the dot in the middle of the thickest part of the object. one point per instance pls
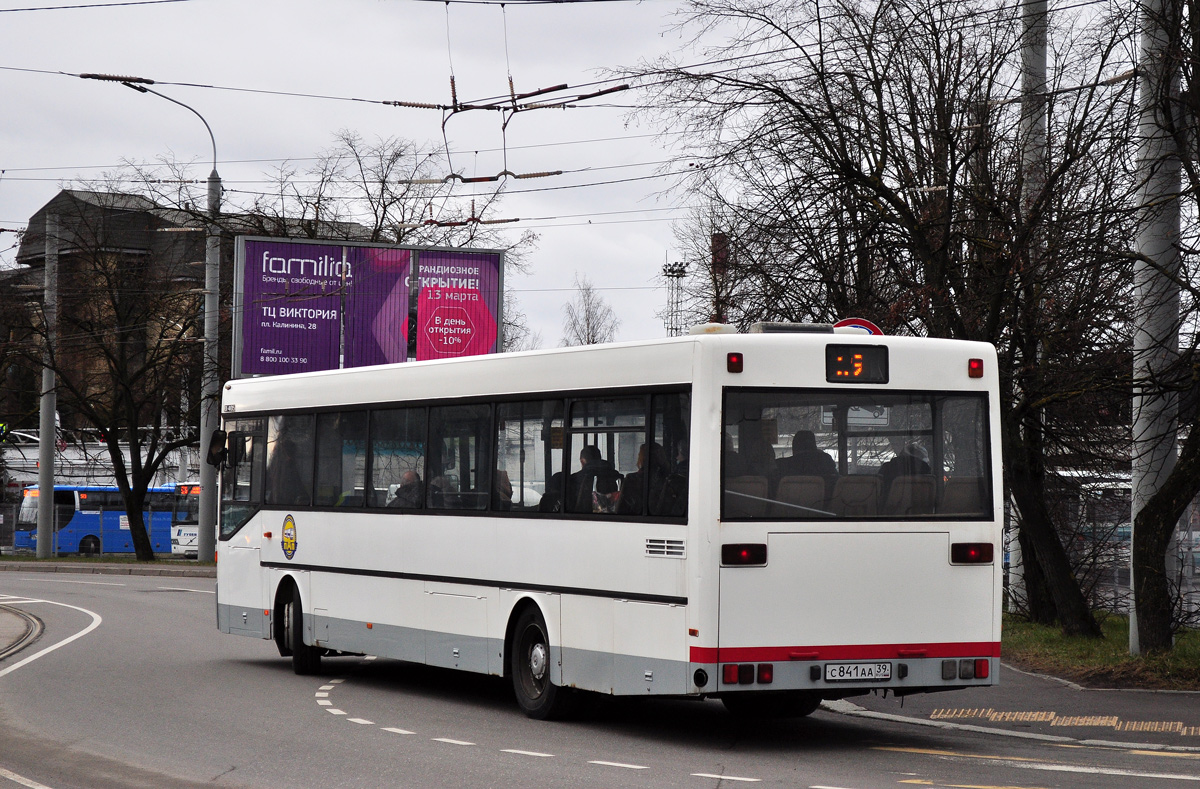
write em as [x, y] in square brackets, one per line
[152, 569]
[843, 707]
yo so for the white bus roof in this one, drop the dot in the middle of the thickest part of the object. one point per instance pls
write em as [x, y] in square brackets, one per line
[917, 363]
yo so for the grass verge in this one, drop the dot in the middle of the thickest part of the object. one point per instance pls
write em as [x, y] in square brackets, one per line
[1101, 663]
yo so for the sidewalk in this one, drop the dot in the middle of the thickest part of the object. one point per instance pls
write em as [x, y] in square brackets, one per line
[1021, 705]
[1051, 709]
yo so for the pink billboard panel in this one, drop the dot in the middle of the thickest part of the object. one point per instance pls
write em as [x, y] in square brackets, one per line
[458, 304]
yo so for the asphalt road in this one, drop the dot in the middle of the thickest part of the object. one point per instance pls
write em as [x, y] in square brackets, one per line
[129, 684]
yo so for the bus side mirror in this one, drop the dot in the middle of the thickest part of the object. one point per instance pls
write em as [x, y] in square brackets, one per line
[216, 449]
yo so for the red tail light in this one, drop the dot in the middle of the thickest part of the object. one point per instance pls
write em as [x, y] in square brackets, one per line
[971, 553]
[983, 667]
[975, 368]
[744, 554]
[766, 673]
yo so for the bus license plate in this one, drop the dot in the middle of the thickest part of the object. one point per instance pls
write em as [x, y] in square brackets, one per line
[852, 672]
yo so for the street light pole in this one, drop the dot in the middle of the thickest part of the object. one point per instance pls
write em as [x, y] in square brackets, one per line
[210, 381]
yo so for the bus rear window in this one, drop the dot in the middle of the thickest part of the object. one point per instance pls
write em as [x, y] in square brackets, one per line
[847, 455]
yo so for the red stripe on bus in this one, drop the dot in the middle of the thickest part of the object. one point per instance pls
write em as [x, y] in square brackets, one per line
[845, 652]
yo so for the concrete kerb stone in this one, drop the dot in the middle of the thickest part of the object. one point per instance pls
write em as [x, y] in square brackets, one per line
[152, 569]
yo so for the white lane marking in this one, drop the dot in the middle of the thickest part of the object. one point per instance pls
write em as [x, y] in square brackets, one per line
[361, 721]
[1074, 768]
[727, 777]
[394, 730]
[618, 764]
[325, 703]
[18, 600]
[185, 589]
[527, 753]
[22, 780]
[336, 681]
[336, 712]
[325, 687]
[321, 695]
[72, 581]
[96, 620]
[452, 742]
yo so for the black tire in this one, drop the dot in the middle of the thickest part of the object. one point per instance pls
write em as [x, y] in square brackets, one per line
[768, 704]
[89, 546]
[305, 659]
[529, 669]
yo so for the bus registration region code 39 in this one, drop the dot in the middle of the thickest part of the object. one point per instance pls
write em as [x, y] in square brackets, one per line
[772, 518]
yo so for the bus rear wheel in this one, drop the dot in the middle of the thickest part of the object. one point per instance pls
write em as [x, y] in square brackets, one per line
[529, 669]
[89, 546]
[305, 659]
[782, 704]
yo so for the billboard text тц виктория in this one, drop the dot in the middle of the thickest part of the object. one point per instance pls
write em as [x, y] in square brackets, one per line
[304, 305]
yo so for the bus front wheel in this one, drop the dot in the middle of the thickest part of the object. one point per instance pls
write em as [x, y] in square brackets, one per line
[305, 659]
[89, 546]
[529, 669]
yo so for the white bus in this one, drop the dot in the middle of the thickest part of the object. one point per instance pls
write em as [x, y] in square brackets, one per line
[771, 518]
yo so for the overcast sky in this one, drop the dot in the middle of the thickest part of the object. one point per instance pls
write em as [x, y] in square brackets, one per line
[60, 128]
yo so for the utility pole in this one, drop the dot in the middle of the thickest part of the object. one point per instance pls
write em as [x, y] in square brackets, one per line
[1156, 334]
[47, 435]
[210, 382]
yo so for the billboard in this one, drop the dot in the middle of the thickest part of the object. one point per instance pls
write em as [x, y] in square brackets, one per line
[303, 305]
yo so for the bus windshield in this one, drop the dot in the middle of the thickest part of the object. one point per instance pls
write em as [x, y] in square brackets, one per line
[27, 516]
[793, 454]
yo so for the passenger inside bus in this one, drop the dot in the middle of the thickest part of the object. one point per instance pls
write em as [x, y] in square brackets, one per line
[645, 484]
[408, 494]
[911, 460]
[807, 459]
[597, 484]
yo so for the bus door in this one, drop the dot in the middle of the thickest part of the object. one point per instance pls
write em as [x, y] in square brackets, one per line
[243, 586]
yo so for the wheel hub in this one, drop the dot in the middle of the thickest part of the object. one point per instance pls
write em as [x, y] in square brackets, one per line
[537, 661]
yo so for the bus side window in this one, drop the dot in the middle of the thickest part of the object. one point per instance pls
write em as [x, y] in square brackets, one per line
[460, 457]
[528, 452]
[289, 460]
[397, 458]
[241, 479]
[341, 459]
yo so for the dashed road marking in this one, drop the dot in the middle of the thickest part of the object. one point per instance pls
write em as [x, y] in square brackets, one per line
[527, 753]
[726, 777]
[1154, 726]
[1023, 717]
[619, 764]
[325, 702]
[394, 730]
[1047, 716]
[361, 721]
[449, 741]
[336, 712]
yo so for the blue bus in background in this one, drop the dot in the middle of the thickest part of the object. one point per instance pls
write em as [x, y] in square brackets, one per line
[91, 519]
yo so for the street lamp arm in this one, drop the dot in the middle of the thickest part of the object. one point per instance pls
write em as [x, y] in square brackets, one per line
[211, 137]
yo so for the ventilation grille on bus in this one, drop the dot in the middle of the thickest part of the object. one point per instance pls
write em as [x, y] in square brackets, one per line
[664, 547]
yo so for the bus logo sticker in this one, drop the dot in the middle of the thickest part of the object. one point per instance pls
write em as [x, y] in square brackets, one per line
[288, 543]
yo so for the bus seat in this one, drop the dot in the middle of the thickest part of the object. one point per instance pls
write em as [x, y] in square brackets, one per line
[856, 496]
[802, 491]
[962, 496]
[911, 495]
[744, 497]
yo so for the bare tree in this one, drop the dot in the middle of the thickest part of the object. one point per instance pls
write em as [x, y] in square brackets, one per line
[587, 318]
[864, 158]
[126, 358]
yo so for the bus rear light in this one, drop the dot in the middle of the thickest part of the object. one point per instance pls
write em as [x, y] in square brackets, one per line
[983, 667]
[733, 362]
[766, 673]
[975, 368]
[971, 553]
[737, 674]
[744, 554]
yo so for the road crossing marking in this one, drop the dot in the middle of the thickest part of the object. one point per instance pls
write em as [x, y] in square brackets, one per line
[1045, 716]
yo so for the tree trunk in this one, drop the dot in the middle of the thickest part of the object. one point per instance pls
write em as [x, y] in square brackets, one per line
[1025, 466]
[1152, 532]
[1038, 599]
